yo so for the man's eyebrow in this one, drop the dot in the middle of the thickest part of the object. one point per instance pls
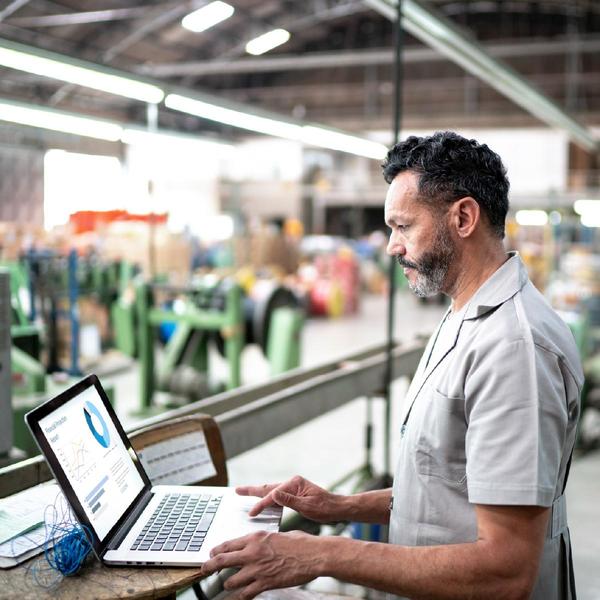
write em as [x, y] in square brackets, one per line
[397, 218]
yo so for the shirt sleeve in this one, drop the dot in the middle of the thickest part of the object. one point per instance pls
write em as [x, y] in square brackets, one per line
[517, 418]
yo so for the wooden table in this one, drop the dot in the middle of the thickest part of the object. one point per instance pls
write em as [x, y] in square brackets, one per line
[98, 582]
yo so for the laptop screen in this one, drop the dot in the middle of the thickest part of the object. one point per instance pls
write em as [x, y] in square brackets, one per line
[95, 461]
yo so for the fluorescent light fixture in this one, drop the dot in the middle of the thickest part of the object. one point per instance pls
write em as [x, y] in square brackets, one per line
[334, 140]
[166, 140]
[308, 134]
[267, 41]
[212, 112]
[72, 73]
[532, 217]
[590, 219]
[207, 16]
[54, 120]
[587, 207]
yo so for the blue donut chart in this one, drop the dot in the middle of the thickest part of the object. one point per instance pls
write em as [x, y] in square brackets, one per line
[102, 438]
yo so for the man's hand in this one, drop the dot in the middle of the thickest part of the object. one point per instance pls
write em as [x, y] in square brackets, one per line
[300, 495]
[266, 561]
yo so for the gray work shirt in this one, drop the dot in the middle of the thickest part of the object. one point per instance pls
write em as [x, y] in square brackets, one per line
[490, 418]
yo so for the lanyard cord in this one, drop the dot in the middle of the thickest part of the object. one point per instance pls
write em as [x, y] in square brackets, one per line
[437, 335]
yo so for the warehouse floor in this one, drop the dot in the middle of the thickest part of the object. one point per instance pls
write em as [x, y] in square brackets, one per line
[331, 446]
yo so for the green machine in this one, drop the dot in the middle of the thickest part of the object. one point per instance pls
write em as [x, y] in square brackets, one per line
[123, 312]
[205, 311]
[213, 311]
[29, 374]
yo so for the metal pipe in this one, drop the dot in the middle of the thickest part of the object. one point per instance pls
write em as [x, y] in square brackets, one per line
[441, 33]
[358, 58]
[252, 415]
[80, 18]
[398, 73]
[6, 413]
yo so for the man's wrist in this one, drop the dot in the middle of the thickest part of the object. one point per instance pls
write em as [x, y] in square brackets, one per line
[346, 507]
[367, 507]
[328, 549]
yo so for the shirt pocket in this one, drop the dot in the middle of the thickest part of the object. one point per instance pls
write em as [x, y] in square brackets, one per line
[440, 443]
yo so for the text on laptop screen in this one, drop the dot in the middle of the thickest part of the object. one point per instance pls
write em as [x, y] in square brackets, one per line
[94, 459]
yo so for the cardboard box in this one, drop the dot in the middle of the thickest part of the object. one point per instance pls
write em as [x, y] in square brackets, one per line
[157, 253]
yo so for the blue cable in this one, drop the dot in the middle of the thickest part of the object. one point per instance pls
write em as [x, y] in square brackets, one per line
[70, 551]
[66, 546]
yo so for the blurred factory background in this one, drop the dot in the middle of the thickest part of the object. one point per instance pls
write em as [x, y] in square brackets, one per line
[191, 205]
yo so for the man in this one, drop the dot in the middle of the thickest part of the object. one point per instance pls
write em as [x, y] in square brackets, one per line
[477, 508]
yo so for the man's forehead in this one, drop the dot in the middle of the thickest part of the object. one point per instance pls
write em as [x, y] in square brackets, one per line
[402, 194]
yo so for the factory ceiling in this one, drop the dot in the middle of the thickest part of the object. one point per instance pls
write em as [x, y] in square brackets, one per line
[336, 69]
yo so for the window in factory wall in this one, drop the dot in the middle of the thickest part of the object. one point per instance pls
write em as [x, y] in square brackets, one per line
[75, 182]
[180, 179]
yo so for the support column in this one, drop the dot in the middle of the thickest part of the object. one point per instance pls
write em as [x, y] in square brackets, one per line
[8, 454]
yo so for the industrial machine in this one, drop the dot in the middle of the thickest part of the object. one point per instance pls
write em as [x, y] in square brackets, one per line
[215, 312]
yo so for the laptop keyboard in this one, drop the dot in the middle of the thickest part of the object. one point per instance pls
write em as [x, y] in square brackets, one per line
[180, 522]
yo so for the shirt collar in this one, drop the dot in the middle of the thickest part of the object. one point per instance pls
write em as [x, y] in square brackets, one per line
[501, 286]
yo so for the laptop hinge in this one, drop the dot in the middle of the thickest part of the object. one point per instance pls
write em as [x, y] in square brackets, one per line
[133, 516]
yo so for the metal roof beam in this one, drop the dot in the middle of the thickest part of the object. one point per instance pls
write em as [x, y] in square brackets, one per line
[356, 58]
[434, 29]
[80, 18]
[12, 8]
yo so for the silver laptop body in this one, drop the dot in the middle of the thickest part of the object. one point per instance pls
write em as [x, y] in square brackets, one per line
[127, 520]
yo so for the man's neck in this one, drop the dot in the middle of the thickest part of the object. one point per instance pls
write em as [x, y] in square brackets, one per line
[476, 268]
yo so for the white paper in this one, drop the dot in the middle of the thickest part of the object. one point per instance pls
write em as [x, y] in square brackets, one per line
[36, 500]
[32, 500]
[180, 460]
[24, 543]
[26, 509]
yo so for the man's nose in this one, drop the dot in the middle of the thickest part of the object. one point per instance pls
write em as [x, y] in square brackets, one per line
[395, 247]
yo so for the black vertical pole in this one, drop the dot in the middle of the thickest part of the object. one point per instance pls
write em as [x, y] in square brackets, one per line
[398, 38]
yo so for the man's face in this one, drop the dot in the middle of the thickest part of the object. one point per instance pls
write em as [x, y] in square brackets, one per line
[419, 239]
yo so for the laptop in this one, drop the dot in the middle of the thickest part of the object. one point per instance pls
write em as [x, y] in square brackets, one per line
[127, 520]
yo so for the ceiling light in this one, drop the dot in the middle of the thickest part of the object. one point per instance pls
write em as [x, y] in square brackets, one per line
[234, 117]
[267, 41]
[66, 69]
[532, 217]
[58, 121]
[590, 219]
[334, 140]
[207, 16]
[587, 207]
[308, 134]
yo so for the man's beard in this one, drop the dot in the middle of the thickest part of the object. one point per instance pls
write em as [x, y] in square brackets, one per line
[433, 266]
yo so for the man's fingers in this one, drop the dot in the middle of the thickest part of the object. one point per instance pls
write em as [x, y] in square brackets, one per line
[256, 490]
[230, 545]
[277, 497]
[249, 592]
[260, 506]
[242, 578]
[284, 499]
[222, 561]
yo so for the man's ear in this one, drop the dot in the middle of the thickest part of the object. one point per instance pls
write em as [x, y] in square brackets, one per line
[465, 215]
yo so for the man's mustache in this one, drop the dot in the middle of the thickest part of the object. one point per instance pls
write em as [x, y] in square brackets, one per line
[405, 263]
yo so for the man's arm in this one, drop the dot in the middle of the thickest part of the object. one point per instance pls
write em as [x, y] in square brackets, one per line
[319, 504]
[501, 564]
